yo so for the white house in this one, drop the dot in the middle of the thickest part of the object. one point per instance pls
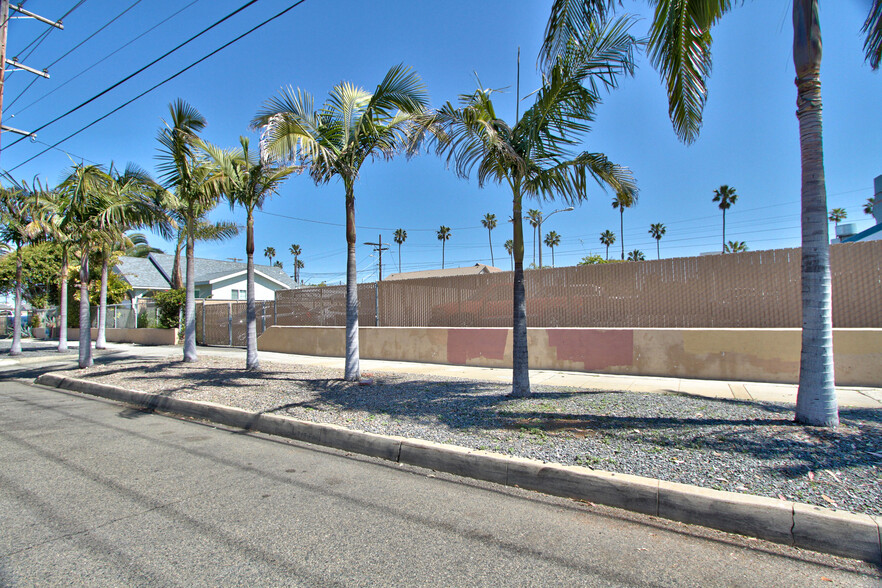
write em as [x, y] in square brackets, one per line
[218, 280]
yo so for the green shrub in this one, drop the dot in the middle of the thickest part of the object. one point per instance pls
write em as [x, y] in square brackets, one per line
[170, 303]
[34, 320]
[143, 321]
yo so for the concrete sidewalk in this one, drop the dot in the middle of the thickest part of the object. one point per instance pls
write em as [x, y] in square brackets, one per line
[849, 397]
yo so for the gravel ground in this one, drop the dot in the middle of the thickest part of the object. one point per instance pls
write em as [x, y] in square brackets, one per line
[739, 446]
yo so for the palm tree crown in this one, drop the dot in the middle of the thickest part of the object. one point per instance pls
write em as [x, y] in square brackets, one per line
[443, 235]
[607, 238]
[552, 240]
[657, 231]
[726, 197]
[400, 237]
[621, 201]
[489, 222]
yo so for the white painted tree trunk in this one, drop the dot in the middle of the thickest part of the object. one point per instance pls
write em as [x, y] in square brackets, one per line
[190, 297]
[352, 369]
[62, 303]
[85, 358]
[101, 339]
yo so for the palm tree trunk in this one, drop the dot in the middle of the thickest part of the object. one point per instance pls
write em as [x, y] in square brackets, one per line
[552, 256]
[520, 381]
[176, 282]
[816, 398]
[85, 358]
[490, 238]
[658, 248]
[622, 229]
[724, 230]
[101, 339]
[15, 349]
[442, 253]
[251, 360]
[62, 302]
[190, 295]
[399, 258]
[352, 370]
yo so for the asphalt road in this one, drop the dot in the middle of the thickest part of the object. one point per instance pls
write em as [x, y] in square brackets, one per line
[95, 493]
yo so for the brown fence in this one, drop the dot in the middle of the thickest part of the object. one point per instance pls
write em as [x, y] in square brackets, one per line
[758, 289]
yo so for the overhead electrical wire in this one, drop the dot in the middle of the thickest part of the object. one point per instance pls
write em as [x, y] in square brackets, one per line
[165, 81]
[77, 46]
[108, 56]
[42, 36]
[139, 71]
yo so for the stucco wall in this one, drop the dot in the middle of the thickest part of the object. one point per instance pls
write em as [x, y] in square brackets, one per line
[140, 336]
[761, 355]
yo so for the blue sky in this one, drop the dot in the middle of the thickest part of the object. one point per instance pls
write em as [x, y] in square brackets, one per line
[749, 139]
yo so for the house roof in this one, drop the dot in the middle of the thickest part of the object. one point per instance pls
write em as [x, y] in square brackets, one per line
[863, 235]
[154, 272]
[141, 274]
[472, 270]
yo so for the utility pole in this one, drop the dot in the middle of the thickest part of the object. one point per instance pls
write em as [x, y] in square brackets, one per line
[4, 27]
[380, 247]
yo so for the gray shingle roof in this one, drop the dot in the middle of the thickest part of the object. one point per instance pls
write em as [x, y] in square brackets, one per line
[212, 269]
[140, 273]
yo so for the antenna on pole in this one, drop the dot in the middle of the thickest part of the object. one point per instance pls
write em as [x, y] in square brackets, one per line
[518, 90]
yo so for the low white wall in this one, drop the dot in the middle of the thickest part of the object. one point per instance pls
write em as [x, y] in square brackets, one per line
[139, 336]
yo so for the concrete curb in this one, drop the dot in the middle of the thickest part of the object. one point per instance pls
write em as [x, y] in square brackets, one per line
[840, 533]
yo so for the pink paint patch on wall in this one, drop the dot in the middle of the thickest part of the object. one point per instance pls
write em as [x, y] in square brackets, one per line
[593, 349]
[466, 344]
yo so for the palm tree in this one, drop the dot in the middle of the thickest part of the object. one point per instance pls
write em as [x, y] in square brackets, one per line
[735, 247]
[18, 208]
[509, 246]
[269, 253]
[489, 222]
[726, 196]
[870, 206]
[552, 239]
[535, 157]
[679, 45]
[535, 218]
[247, 181]
[57, 203]
[334, 141]
[836, 215]
[607, 238]
[636, 255]
[185, 173]
[621, 202]
[296, 252]
[140, 246]
[443, 236]
[657, 231]
[203, 230]
[400, 237]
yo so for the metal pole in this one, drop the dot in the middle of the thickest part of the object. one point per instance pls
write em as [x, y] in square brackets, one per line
[377, 302]
[203, 322]
[230, 322]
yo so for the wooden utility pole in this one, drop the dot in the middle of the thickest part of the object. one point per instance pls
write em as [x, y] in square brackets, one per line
[4, 25]
[380, 247]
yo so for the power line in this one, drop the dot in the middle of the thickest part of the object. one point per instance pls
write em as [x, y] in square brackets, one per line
[108, 56]
[78, 45]
[42, 36]
[165, 81]
[130, 76]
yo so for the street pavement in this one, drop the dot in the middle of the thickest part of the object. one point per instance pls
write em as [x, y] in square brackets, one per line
[96, 493]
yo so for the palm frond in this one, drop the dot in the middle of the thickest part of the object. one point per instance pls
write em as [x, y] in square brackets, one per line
[570, 19]
[873, 29]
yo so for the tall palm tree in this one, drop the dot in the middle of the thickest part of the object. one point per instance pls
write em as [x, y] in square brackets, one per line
[509, 246]
[837, 215]
[269, 253]
[203, 230]
[443, 236]
[185, 173]
[536, 156]
[735, 247]
[535, 218]
[726, 196]
[621, 202]
[399, 238]
[296, 252]
[636, 255]
[354, 125]
[679, 46]
[552, 239]
[247, 181]
[57, 203]
[489, 222]
[18, 225]
[607, 238]
[657, 231]
[870, 206]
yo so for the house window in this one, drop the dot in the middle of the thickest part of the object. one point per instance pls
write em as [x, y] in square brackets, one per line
[239, 295]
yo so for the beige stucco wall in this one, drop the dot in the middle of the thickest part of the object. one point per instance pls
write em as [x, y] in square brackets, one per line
[140, 336]
[762, 355]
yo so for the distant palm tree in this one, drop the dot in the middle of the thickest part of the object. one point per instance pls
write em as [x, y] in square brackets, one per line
[870, 206]
[657, 230]
[726, 196]
[278, 264]
[489, 222]
[443, 236]
[269, 253]
[552, 239]
[535, 218]
[636, 255]
[509, 246]
[607, 238]
[296, 252]
[735, 247]
[621, 202]
[836, 215]
[350, 128]
[399, 238]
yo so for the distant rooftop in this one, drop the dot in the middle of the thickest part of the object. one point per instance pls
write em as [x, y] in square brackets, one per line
[473, 270]
[154, 272]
